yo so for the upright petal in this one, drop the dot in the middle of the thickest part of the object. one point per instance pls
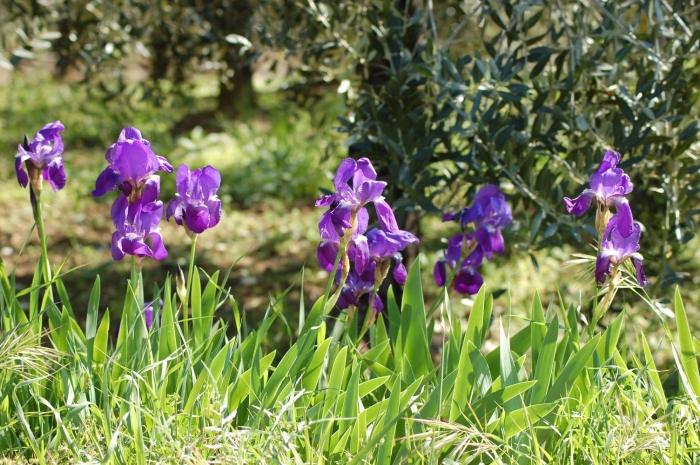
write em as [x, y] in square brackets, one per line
[210, 181]
[610, 160]
[182, 180]
[345, 171]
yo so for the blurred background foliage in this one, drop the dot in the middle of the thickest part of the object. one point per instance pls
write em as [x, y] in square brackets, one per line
[442, 95]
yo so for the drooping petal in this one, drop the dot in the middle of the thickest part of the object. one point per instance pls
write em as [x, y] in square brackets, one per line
[468, 281]
[580, 204]
[400, 272]
[151, 189]
[106, 181]
[117, 252]
[369, 191]
[361, 253]
[474, 259]
[119, 212]
[55, 173]
[197, 218]
[622, 219]
[440, 272]
[386, 217]
[327, 229]
[326, 200]
[454, 249]
[362, 221]
[641, 277]
[377, 304]
[326, 254]
[159, 251]
[163, 164]
[484, 238]
[603, 267]
[22, 177]
[175, 209]
[214, 206]
[497, 243]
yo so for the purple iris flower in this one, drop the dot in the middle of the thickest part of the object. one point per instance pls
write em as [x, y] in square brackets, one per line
[358, 284]
[467, 279]
[381, 247]
[43, 154]
[131, 164]
[608, 186]
[620, 242]
[196, 204]
[330, 238]
[348, 200]
[365, 187]
[490, 212]
[137, 221]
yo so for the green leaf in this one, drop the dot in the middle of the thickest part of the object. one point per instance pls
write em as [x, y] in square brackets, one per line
[99, 350]
[545, 363]
[519, 420]
[484, 407]
[572, 370]
[313, 370]
[414, 337]
[538, 327]
[652, 371]
[689, 359]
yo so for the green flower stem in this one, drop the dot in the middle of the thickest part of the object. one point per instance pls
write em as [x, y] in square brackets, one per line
[39, 218]
[190, 275]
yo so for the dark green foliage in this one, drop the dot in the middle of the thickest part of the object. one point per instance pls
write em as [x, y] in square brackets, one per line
[527, 95]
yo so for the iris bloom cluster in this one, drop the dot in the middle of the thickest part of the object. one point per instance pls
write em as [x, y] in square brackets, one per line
[42, 157]
[619, 233]
[137, 211]
[366, 256]
[489, 213]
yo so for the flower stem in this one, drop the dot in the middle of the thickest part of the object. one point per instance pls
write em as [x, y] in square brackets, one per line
[190, 275]
[39, 218]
